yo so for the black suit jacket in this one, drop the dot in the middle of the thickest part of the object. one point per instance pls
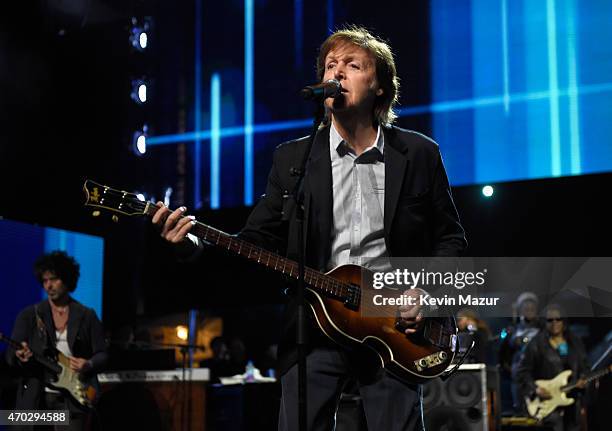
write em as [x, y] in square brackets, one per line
[85, 338]
[420, 218]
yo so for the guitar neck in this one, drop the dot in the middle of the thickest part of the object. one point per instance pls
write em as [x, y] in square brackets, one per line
[590, 377]
[41, 359]
[315, 279]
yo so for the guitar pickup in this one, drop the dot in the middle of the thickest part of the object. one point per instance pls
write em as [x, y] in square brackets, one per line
[351, 300]
[431, 360]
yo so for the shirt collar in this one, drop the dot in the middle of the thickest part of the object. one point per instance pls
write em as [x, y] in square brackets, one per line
[339, 148]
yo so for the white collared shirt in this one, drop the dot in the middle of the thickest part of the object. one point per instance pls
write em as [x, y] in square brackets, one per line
[358, 185]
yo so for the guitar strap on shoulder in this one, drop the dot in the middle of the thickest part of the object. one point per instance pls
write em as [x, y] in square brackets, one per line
[42, 328]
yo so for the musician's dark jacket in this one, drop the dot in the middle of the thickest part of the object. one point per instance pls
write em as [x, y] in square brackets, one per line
[540, 361]
[420, 218]
[85, 338]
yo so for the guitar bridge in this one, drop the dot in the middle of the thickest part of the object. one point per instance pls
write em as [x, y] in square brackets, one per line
[432, 360]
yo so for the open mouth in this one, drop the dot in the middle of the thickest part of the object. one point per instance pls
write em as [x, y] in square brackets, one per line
[341, 94]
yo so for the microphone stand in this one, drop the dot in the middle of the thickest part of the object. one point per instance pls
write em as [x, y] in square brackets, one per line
[301, 330]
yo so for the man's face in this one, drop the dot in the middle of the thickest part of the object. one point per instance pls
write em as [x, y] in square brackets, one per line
[355, 69]
[554, 323]
[529, 310]
[54, 286]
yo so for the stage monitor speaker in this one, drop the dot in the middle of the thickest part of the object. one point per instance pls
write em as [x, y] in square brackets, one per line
[458, 403]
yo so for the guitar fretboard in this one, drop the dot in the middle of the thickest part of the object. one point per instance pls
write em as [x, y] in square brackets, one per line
[315, 279]
[594, 376]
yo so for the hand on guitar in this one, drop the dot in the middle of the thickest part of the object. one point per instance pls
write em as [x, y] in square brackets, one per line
[79, 365]
[412, 316]
[24, 354]
[174, 227]
[543, 393]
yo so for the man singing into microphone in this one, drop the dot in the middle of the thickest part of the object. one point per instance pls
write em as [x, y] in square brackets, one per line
[372, 191]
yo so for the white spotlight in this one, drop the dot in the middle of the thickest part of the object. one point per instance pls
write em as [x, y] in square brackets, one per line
[142, 40]
[142, 93]
[167, 196]
[139, 90]
[487, 191]
[139, 33]
[141, 144]
[139, 141]
[140, 197]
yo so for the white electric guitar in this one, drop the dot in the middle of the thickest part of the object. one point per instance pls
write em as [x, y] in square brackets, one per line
[558, 388]
[84, 391]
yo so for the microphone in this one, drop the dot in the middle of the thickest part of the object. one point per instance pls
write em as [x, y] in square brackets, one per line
[330, 88]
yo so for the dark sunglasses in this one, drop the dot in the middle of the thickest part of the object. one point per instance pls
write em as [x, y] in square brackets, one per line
[554, 319]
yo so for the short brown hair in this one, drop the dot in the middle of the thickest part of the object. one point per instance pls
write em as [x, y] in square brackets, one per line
[386, 73]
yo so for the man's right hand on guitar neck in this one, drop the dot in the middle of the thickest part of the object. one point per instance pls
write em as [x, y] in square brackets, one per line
[24, 354]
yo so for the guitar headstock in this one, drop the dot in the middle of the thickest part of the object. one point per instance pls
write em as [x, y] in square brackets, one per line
[117, 201]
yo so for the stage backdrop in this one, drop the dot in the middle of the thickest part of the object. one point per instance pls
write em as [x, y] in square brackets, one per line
[521, 89]
[510, 89]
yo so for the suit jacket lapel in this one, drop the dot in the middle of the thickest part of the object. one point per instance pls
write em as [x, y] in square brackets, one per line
[319, 196]
[396, 164]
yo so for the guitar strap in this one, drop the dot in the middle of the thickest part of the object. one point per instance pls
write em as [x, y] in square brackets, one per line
[42, 328]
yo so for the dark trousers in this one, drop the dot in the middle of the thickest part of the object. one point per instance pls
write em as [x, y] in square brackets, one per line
[389, 404]
[52, 401]
[78, 420]
[563, 420]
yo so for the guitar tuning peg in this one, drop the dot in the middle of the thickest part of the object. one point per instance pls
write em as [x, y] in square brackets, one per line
[96, 213]
[115, 218]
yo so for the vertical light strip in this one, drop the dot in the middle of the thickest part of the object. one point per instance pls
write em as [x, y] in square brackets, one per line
[330, 16]
[553, 86]
[248, 101]
[504, 18]
[197, 144]
[56, 239]
[215, 141]
[192, 334]
[298, 33]
[572, 76]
